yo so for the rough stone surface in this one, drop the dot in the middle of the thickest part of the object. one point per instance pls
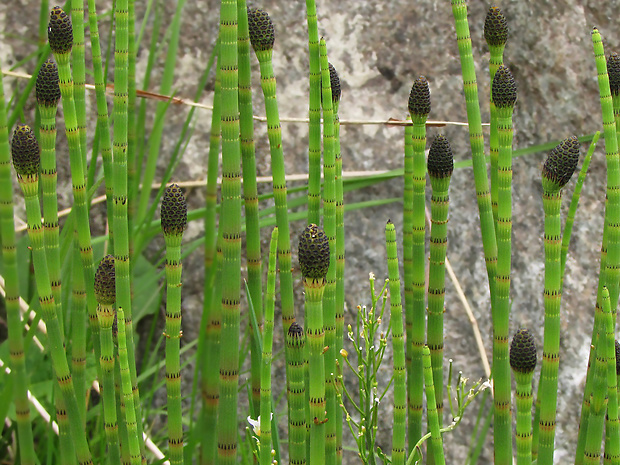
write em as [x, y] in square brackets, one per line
[379, 48]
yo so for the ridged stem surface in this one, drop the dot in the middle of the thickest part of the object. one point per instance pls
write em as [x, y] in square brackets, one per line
[296, 390]
[524, 397]
[612, 425]
[79, 71]
[496, 59]
[433, 419]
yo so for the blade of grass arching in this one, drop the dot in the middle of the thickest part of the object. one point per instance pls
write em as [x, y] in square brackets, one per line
[329, 223]
[314, 112]
[267, 357]
[11, 276]
[120, 221]
[250, 195]
[145, 22]
[572, 210]
[103, 126]
[148, 172]
[79, 72]
[230, 227]
[398, 342]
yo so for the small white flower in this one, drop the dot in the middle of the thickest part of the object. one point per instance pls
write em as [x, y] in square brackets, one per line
[488, 384]
[256, 424]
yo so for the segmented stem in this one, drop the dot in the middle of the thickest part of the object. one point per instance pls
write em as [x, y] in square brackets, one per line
[433, 419]
[296, 390]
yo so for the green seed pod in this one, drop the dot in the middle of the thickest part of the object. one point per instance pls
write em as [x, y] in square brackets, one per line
[25, 152]
[173, 211]
[60, 31]
[335, 83]
[495, 28]
[262, 35]
[561, 164]
[47, 88]
[420, 98]
[313, 252]
[440, 158]
[504, 88]
[613, 69]
[523, 352]
[105, 281]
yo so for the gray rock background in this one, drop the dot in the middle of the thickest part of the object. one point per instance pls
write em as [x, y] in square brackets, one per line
[379, 48]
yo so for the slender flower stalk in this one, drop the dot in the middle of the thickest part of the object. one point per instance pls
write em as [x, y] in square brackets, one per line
[267, 357]
[314, 258]
[329, 224]
[174, 223]
[398, 342]
[11, 285]
[314, 127]
[523, 363]
[414, 234]
[26, 161]
[504, 98]
[433, 418]
[496, 35]
[440, 167]
[133, 445]
[557, 171]
[296, 389]
[105, 292]
[230, 226]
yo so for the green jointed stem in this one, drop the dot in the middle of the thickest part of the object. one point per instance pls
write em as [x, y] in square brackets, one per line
[26, 161]
[612, 424]
[556, 172]
[314, 109]
[495, 34]
[440, 167]
[414, 234]
[132, 136]
[433, 419]
[133, 445]
[174, 223]
[103, 126]
[267, 357]
[398, 342]
[504, 97]
[78, 328]
[314, 262]
[329, 224]
[468, 70]
[296, 390]
[230, 225]
[105, 292]
[120, 221]
[523, 363]
[11, 286]
[599, 399]
[79, 72]
[250, 193]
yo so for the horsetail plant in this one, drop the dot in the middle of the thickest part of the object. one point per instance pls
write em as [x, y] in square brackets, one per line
[556, 172]
[26, 161]
[267, 356]
[523, 363]
[431, 408]
[105, 292]
[174, 223]
[11, 285]
[296, 394]
[612, 424]
[504, 98]
[230, 227]
[314, 262]
[440, 167]
[496, 35]
[414, 232]
[399, 449]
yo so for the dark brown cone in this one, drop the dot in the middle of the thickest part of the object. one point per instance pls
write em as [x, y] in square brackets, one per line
[335, 83]
[313, 252]
[523, 352]
[47, 88]
[262, 35]
[440, 158]
[562, 162]
[173, 211]
[60, 31]
[613, 69]
[504, 88]
[25, 152]
[617, 357]
[420, 98]
[495, 27]
[105, 281]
